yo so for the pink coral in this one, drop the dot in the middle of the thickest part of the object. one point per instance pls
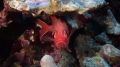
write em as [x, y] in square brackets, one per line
[56, 54]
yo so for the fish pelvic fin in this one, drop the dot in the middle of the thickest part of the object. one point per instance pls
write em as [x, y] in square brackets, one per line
[68, 49]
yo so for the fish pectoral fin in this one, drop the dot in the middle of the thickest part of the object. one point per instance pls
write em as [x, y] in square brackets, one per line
[46, 38]
[45, 28]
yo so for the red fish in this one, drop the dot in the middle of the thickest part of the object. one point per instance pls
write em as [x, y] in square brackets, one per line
[59, 30]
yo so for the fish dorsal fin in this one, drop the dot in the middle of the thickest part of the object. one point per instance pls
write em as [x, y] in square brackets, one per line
[45, 28]
[54, 19]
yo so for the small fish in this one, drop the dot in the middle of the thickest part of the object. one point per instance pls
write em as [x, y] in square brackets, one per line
[59, 30]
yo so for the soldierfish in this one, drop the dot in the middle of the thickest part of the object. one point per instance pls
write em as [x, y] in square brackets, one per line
[59, 30]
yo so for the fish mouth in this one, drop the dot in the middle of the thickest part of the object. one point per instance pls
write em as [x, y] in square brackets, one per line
[61, 45]
[61, 42]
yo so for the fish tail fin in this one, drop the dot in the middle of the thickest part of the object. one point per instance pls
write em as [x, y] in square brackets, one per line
[45, 28]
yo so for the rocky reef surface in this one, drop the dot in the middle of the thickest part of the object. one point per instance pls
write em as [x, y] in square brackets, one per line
[92, 32]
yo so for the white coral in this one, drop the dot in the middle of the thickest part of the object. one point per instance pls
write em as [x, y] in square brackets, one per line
[47, 61]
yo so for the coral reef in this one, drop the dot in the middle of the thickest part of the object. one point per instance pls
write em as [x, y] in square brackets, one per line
[110, 53]
[54, 6]
[47, 61]
[113, 25]
[59, 33]
[95, 62]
